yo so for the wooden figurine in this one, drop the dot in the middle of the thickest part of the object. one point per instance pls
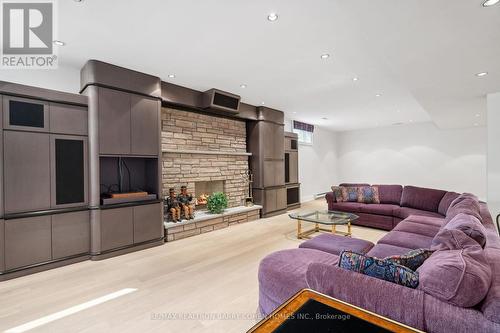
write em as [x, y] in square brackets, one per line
[173, 205]
[186, 201]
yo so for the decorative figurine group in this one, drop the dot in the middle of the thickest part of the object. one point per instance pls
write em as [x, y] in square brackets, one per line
[183, 202]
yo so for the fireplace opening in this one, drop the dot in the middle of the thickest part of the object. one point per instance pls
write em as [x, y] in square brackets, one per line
[203, 189]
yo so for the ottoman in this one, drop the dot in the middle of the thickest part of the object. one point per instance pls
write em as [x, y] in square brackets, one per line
[283, 273]
[334, 244]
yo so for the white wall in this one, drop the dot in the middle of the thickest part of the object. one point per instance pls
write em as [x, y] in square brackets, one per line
[419, 154]
[494, 153]
[317, 163]
[63, 78]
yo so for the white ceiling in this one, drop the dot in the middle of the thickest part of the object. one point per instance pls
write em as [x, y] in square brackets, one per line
[421, 55]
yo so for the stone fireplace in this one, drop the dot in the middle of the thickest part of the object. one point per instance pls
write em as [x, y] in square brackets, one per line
[205, 188]
[205, 153]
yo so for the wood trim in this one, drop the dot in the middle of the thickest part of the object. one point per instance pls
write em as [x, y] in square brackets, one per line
[274, 320]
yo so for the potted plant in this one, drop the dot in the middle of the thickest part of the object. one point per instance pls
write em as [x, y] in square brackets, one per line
[217, 202]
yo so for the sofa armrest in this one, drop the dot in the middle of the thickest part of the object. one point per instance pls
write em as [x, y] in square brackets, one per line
[385, 298]
[330, 197]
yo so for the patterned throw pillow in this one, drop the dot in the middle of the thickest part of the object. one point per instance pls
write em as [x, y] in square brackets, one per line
[378, 268]
[412, 259]
[337, 193]
[349, 194]
[368, 195]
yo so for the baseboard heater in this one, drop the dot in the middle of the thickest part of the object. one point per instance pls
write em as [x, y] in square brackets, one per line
[320, 195]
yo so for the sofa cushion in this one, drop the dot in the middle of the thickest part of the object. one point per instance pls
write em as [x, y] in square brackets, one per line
[390, 194]
[491, 304]
[349, 207]
[428, 230]
[470, 226]
[349, 194]
[466, 203]
[404, 212]
[422, 198]
[445, 203]
[378, 268]
[434, 221]
[457, 272]
[385, 250]
[406, 239]
[368, 195]
[335, 244]
[283, 273]
[337, 193]
[412, 259]
[379, 209]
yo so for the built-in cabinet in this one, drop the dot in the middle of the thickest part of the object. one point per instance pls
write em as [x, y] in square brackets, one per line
[128, 123]
[125, 226]
[265, 142]
[292, 170]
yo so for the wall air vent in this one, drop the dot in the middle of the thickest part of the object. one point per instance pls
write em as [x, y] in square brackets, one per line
[221, 101]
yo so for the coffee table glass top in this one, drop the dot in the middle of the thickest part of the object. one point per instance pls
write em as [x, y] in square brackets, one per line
[329, 217]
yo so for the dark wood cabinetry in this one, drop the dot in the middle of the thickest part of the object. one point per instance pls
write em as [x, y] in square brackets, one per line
[292, 170]
[70, 234]
[128, 123]
[26, 171]
[146, 226]
[27, 241]
[265, 142]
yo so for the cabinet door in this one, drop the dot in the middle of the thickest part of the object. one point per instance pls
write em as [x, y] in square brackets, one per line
[26, 171]
[281, 198]
[278, 140]
[70, 234]
[279, 173]
[293, 166]
[148, 223]
[117, 228]
[27, 241]
[270, 200]
[25, 114]
[68, 119]
[269, 175]
[68, 171]
[114, 122]
[267, 137]
[145, 125]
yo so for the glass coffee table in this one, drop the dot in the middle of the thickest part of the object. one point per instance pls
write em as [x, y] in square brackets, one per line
[328, 218]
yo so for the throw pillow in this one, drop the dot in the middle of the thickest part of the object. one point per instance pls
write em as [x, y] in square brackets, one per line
[337, 193]
[350, 194]
[412, 259]
[368, 195]
[378, 268]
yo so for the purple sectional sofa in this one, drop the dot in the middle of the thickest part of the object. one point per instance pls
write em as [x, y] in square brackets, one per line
[283, 273]
[396, 204]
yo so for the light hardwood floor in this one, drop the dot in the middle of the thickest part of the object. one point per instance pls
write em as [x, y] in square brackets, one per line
[213, 273]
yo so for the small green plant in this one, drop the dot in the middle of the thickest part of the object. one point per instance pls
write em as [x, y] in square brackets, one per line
[217, 202]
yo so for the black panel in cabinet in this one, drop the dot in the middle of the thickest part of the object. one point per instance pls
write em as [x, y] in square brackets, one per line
[293, 144]
[292, 195]
[26, 114]
[70, 171]
[287, 167]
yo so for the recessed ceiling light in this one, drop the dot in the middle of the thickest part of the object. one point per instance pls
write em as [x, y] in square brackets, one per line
[294, 112]
[78, 0]
[476, 124]
[263, 103]
[59, 43]
[243, 86]
[324, 118]
[478, 115]
[172, 76]
[378, 95]
[482, 73]
[489, 3]
[355, 79]
[411, 120]
[325, 56]
[272, 17]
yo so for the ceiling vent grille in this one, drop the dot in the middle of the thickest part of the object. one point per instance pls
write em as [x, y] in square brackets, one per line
[221, 101]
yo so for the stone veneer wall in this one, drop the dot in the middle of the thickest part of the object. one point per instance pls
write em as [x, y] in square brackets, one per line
[182, 130]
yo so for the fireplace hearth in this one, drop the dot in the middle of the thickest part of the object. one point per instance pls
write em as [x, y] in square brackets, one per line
[203, 189]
